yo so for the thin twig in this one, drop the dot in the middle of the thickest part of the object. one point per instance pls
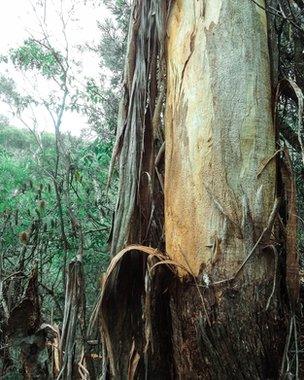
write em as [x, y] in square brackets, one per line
[197, 287]
[277, 13]
[268, 161]
[285, 354]
[276, 260]
[266, 232]
[159, 156]
[296, 347]
[222, 210]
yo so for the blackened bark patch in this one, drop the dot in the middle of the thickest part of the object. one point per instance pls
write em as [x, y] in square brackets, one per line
[26, 335]
[135, 321]
[244, 340]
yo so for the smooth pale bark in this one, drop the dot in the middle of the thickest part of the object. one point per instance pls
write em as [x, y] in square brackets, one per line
[219, 134]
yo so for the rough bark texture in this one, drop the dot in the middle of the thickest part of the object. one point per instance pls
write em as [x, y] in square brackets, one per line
[227, 317]
[72, 338]
[244, 341]
[27, 336]
[139, 212]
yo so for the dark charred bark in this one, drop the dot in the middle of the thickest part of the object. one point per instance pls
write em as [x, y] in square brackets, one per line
[161, 331]
[27, 336]
[244, 340]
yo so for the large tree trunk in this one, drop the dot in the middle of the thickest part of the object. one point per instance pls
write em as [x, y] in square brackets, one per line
[220, 189]
[224, 312]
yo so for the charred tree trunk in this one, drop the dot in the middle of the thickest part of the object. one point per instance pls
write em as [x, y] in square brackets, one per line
[219, 303]
[27, 337]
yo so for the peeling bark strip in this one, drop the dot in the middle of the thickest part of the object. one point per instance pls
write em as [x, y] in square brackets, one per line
[72, 344]
[228, 318]
[292, 259]
[139, 211]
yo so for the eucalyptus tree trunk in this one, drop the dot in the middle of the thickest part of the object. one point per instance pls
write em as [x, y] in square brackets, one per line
[223, 307]
[220, 190]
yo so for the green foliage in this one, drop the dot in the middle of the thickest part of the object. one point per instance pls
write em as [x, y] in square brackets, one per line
[103, 97]
[34, 55]
[121, 11]
[10, 95]
[54, 201]
[12, 175]
[12, 139]
[28, 199]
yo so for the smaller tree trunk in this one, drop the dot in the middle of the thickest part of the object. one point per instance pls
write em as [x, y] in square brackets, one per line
[73, 329]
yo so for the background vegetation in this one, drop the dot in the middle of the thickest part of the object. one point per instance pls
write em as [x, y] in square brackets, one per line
[55, 205]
